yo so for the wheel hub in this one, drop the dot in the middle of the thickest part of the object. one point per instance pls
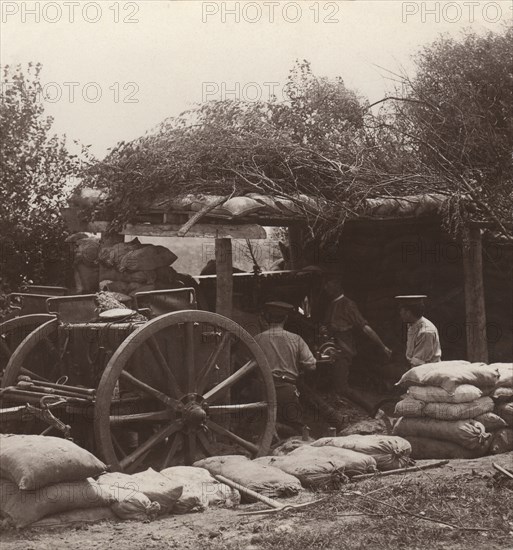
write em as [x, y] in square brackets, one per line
[194, 415]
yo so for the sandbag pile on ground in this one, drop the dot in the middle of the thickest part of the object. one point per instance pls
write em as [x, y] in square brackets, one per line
[141, 495]
[260, 477]
[41, 476]
[502, 440]
[321, 467]
[390, 452]
[447, 411]
[200, 490]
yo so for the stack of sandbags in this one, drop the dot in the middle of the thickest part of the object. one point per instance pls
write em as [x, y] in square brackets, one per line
[252, 474]
[42, 476]
[503, 398]
[447, 412]
[132, 267]
[200, 490]
[321, 467]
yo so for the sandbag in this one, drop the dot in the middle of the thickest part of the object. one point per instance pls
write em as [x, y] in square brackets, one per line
[141, 277]
[451, 374]
[289, 445]
[389, 452]
[110, 256]
[75, 517]
[365, 427]
[459, 411]
[427, 448]
[491, 421]
[155, 486]
[409, 407]
[466, 433]
[34, 461]
[263, 479]
[322, 467]
[505, 374]
[26, 507]
[200, 490]
[86, 251]
[502, 441]
[503, 394]
[148, 257]
[505, 411]
[432, 394]
[135, 506]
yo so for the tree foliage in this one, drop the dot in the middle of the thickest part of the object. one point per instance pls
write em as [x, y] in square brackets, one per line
[455, 116]
[35, 167]
[447, 132]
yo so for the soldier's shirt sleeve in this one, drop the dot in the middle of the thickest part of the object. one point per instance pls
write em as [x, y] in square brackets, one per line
[356, 318]
[306, 359]
[424, 348]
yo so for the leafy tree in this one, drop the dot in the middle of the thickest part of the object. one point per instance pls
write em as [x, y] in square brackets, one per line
[455, 117]
[35, 171]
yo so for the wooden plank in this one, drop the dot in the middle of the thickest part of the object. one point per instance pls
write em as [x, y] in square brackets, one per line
[475, 312]
[243, 231]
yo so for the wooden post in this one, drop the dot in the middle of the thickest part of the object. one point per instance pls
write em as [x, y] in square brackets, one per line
[475, 312]
[224, 279]
[295, 246]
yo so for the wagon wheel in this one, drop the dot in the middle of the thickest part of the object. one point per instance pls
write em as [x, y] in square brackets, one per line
[36, 356]
[190, 397]
[13, 331]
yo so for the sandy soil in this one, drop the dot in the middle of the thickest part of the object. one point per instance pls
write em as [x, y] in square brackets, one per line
[192, 531]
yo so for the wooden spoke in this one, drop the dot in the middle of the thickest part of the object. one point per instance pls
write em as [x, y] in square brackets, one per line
[169, 401]
[173, 448]
[155, 439]
[221, 409]
[230, 435]
[154, 416]
[211, 363]
[164, 365]
[117, 446]
[133, 467]
[189, 357]
[205, 443]
[216, 392]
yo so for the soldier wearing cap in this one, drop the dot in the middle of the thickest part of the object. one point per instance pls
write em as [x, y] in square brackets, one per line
[342, 317]
[288, 355]
[423, 342]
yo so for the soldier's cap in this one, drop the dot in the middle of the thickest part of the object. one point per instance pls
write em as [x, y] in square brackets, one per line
[278, 307]
[412, 299]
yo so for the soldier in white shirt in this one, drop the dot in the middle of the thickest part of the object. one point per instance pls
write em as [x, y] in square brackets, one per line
[423, 342]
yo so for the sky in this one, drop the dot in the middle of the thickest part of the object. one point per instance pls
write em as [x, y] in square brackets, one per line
[112, 70]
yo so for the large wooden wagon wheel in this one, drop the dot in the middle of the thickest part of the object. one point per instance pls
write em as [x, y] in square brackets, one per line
[36, 354]
[170, 394]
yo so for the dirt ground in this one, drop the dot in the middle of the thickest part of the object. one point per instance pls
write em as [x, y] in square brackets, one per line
[218, 529]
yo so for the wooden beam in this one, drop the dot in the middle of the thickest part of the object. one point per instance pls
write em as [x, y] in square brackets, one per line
[295, 246]
[475, 312]
[243, 231]
[224, 280]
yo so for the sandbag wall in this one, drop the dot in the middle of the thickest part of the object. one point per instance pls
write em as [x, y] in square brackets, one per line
[124, 268]
[457, 409]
